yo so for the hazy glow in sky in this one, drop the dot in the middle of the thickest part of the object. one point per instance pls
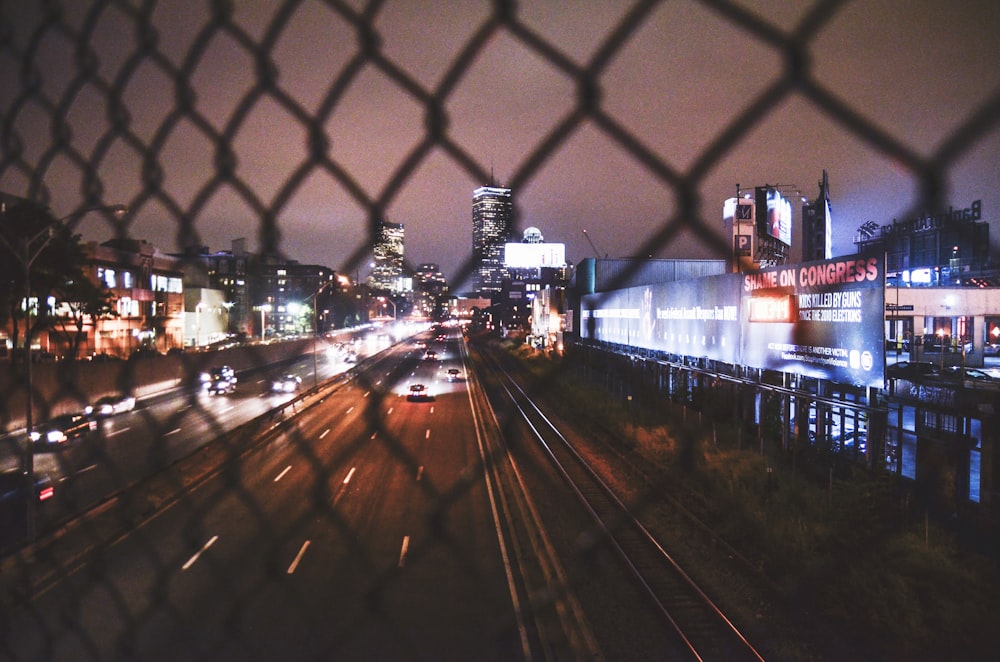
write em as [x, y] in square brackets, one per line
[265, 122]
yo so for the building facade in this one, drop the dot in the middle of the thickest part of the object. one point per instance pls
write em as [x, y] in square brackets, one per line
[492, 222]
[389, 253]
[817, 242]
[147, 294]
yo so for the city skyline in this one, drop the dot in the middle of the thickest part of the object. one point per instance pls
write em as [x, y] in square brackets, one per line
[337, 138]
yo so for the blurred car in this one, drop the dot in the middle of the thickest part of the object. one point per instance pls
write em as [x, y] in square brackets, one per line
[972, 377]
[431, 355]
[419, 392]
[913, 370]
[12, 486]
[103, 357]
[61, 429]
[991, 349]
[286, 384]
[145, 353]
[219, 380]
[454, 374]
[110, 405]
[351, 357]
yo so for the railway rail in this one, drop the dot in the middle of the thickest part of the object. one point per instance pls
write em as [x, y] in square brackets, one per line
[700, 625]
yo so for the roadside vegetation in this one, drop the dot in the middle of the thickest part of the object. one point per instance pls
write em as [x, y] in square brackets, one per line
[850, 550]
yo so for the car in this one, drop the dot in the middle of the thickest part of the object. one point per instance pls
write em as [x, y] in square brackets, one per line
[286, 384]
[454, 374]
[991, 349]
[12, 486]
[145, 353]
[14, 504]
[103, 357]
[913, 370]
[110, 405]
[418, 393]
[219, 380]
[972, 377]
[431, 355]
[62, 429]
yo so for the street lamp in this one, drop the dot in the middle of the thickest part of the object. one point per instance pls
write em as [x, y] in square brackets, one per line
[197, 323]
[264, 309]
[27, 252]
[392, 303]
[315, 301]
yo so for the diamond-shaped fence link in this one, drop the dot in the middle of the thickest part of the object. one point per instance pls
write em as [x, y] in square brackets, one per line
[43, 93]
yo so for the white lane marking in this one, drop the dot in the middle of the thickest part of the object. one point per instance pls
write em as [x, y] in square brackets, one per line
[367, 393]
[432, 409]
[373, 434]
[388, 412]
[350, 410]
[349, 475]
[298, 557]
[191, 561]
[229, 408]
[115, 432]
[420, 472]
[402, 552]
[427, 435]
[83, 470]
[282, 474]
[325, 432]
[174, 431]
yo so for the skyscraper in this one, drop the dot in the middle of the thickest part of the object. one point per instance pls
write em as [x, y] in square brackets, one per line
[388, 251]
[816, 225]
[492, 220]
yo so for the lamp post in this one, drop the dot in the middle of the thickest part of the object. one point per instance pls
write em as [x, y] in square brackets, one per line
[264, 309]
[197, 323]
[392, 303]
[30, 248]
[315, 301]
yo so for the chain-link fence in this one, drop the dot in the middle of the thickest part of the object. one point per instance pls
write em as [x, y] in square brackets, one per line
[74, 73]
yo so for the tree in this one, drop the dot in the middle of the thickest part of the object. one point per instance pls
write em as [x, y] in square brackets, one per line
[43, 251]
[82, 301]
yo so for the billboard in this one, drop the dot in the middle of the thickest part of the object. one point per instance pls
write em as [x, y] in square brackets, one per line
[823, 319]
[698, 317]
[774, 214]
[534, 256]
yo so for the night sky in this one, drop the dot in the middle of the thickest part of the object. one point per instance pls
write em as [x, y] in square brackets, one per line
[905, 75]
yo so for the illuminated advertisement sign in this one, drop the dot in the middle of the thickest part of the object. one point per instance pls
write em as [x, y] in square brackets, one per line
[534, 256]
[828, 324]
[823, 319]
[774, 214]
[698, 317]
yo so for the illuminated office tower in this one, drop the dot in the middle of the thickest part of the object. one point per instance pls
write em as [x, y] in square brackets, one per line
[387, 272]
[492, 212]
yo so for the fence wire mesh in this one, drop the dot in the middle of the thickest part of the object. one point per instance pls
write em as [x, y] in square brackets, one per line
[84, 33]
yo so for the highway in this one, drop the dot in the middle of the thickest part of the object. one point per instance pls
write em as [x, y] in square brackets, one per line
[354, 533]
[346, 522]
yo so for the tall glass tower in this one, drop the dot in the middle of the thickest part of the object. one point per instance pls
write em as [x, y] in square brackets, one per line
[388, 252]
[492, 220]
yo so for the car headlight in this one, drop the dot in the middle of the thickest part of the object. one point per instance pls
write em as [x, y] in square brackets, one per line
[35, 435]
[56, 436]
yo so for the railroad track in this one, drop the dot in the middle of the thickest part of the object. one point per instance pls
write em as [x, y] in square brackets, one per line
[701, 627]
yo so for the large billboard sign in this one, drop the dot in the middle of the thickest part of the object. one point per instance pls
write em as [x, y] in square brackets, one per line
[534, 256]
[823, 319]
[698, 317]
[774, 214]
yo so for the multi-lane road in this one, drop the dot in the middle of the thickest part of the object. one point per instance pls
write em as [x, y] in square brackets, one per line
[360, 529]
[346, 522]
